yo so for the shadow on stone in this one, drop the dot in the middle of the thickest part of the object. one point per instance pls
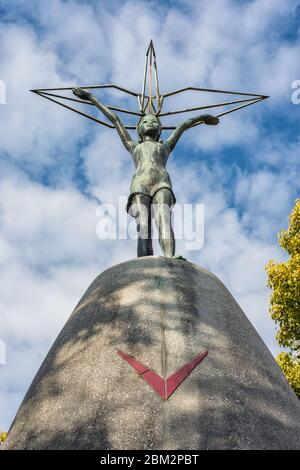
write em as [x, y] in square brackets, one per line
[163, 312]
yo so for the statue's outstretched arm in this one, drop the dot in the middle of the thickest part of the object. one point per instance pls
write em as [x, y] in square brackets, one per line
[177, 133]
[111, 116]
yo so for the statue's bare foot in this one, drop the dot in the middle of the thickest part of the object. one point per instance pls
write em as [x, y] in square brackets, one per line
[179, 257]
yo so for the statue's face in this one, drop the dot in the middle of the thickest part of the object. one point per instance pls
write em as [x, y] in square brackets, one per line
[149, 125]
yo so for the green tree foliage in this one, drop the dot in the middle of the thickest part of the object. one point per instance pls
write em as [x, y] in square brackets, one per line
[2, 437]
[291, 369]
[284, 280]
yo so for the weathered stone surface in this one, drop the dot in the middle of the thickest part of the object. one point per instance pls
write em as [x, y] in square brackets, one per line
[164, 312]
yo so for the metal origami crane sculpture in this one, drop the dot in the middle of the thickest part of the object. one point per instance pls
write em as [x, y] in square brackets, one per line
[151, 103]
[151, 184]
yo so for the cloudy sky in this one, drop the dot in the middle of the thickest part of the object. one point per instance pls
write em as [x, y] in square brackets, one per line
[56, 167]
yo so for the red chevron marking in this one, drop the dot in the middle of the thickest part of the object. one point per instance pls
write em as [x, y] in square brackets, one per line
[164, 387]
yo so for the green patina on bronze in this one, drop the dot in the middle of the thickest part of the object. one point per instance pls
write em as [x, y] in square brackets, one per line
[151, 183]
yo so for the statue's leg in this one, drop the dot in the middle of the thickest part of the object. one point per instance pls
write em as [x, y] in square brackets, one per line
[163, 202]
[140, 209]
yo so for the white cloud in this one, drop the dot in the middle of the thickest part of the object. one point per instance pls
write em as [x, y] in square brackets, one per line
[28, 125]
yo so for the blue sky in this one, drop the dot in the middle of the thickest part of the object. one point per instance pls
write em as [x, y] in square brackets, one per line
[57, 167]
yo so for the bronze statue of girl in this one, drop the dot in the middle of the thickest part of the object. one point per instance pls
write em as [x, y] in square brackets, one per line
[151, 185]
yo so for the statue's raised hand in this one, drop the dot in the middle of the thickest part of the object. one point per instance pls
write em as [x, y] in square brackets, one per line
[210, 120]
[82, 94]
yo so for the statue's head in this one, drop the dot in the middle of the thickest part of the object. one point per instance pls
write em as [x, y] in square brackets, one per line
[149, 125]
